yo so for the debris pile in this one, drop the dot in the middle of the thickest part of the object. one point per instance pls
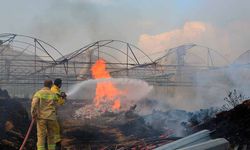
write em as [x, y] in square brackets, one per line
[113, 130]
[91, 111]
[232, 124]
[123, 129]
[14, 122]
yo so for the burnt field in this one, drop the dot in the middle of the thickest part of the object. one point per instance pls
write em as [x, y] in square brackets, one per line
[108, 131]
[126, 129]
[232, 124]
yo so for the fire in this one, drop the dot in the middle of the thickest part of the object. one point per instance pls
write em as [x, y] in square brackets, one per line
[106, 92]
[117, 105]
[99, 70]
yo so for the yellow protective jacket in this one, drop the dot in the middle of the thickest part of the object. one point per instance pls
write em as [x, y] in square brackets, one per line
[55, 89]
[44, 104]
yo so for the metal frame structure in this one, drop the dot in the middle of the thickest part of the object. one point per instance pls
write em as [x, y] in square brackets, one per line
[26, 61]
[21, 57]
[243, 59]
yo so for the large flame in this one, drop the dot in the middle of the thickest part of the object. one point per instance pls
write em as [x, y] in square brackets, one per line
[106, 92]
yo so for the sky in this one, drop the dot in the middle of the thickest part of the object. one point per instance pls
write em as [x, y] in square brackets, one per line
[153, 25]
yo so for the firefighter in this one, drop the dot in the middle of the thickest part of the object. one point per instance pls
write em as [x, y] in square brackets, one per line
[61, 96]
[56, 89]
[43, 109]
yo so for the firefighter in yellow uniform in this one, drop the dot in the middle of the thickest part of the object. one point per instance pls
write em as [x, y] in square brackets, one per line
[61, 100]
[43, 109]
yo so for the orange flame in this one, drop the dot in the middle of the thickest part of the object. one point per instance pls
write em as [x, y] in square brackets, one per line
[106, 92]
[99, 70]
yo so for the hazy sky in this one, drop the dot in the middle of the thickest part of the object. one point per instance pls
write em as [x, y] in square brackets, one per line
[153, 25]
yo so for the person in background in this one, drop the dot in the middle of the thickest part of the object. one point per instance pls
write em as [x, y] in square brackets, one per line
[43, 110]
[61, 97]
[56, 88]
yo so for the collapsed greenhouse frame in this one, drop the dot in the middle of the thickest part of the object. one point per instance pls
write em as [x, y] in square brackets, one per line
[26, 61]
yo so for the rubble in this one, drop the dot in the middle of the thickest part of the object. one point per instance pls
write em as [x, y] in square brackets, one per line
[124, 129]
[14, 122]
[232, 125]
[113, 130]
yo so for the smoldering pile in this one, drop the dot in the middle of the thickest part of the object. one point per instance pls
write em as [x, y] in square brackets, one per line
[121, 129]
[125, 129]
[231, 124]
[93, 123]
[126, 92]
[14, 122]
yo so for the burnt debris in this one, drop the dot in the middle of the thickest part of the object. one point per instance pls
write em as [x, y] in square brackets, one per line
[232, 124]
[14, 121]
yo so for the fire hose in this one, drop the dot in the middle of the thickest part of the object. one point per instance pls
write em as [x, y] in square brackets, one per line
[27, 134]
[63, 95]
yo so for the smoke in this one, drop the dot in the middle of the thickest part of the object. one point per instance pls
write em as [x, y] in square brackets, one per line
[230, 40]
[209, 88]
[65, 20]
[71, 24]
[170, 121]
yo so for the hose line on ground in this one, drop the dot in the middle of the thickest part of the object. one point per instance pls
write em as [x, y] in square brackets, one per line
[27, 134]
